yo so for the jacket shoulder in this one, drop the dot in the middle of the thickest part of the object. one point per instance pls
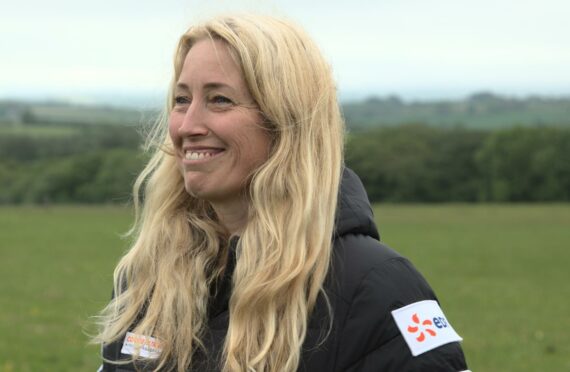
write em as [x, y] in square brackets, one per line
[357, 258]
[373, 280]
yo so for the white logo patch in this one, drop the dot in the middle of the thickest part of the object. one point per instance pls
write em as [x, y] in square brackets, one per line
[424, 326]
[144, 346]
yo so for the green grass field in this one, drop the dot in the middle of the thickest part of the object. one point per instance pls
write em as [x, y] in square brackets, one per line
[501, 273]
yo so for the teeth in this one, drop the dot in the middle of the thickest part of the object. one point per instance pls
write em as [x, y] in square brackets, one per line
[189, 155]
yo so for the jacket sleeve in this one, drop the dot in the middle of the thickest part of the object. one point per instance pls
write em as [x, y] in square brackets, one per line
[370, 339]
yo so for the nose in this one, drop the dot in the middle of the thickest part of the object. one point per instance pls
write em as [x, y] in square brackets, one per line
[194, 121]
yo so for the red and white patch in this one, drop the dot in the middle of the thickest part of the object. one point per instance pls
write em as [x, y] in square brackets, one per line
[424, 326]
[144, 346]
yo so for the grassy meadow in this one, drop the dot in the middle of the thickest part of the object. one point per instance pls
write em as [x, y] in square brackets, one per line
[500, 271]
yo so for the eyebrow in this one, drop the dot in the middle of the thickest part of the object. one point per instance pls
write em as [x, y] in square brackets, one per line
[207, 86]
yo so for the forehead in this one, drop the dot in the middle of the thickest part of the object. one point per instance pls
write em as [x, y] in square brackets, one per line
[210, 60]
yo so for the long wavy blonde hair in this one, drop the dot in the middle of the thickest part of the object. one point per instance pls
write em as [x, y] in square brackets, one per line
[283, 253]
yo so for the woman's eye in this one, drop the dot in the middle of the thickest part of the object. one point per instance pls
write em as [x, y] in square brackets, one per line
[181, 100]
[221, 101]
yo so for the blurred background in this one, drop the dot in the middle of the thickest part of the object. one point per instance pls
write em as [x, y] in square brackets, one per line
[458, 118]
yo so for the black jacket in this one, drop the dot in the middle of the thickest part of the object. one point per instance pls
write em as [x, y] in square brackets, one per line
[366, 281]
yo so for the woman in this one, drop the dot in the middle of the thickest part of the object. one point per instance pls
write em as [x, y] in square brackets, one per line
[254, 250]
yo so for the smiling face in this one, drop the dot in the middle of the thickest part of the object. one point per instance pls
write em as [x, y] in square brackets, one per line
[215, 126]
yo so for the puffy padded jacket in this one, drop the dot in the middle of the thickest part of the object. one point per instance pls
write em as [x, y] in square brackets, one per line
[366, 282]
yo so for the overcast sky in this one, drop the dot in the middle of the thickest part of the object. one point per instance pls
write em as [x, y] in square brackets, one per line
[418, 49]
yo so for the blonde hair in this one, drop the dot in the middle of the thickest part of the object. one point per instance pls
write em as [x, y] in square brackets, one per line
[284, 251]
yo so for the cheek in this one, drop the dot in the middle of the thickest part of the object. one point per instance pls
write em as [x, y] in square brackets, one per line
[256, 147]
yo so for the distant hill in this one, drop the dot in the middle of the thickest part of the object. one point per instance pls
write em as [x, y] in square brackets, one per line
[478, 111]
[22, 112]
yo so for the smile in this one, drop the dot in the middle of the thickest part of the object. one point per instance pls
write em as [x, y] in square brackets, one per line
[204, 154]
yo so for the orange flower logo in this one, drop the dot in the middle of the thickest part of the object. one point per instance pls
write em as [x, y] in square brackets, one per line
[424, 328]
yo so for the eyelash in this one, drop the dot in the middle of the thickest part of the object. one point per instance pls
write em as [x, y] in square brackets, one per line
[217, 100]
[181, 100]
[225, 100]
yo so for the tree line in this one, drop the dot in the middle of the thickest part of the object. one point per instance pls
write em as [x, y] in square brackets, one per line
[92, 164]
[417, 163]
[407, 163]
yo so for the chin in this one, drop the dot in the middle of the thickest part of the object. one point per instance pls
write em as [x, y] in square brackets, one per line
[199, 192]
[192, 191]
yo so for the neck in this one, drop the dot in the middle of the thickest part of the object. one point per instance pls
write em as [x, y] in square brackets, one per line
[232, 214]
